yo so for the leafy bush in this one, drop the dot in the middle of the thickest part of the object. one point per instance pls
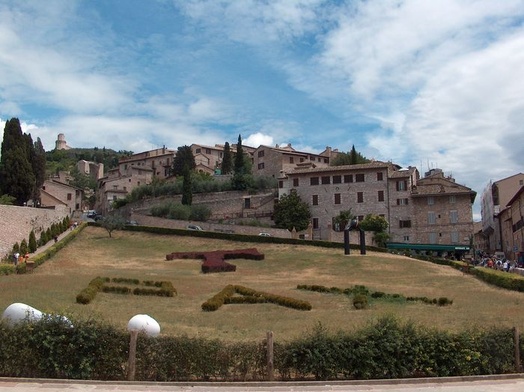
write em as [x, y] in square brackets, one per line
[360, 301]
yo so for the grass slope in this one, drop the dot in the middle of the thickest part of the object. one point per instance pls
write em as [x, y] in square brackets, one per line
[53, 287]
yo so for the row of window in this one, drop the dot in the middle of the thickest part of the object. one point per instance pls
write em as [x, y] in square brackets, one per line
[337, 197]
[453, 217]
[338, 179]
[454, 237]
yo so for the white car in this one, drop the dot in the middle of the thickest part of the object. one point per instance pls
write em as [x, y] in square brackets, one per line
[264, 234]
[194, 227]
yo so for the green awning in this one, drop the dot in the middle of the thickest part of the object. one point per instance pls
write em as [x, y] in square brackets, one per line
[432, 247]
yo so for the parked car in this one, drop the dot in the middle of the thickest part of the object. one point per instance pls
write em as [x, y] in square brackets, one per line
[194, 227]
[132, 223]
[91, 214]
[264, 234]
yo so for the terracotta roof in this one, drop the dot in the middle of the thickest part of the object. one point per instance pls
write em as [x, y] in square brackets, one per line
[344, 168]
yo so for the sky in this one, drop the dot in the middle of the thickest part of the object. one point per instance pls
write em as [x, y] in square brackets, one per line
[431, 84]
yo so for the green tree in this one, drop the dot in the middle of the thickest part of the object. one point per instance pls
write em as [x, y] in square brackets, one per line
[226, 160]
[187, 192]
[81, 180]
[7, 200]
[112, 223]
[374, 223]
[32, 242]
[184, 157]
[16, 172]
[378, 225]
[291, 212]
[23, 247]
[39, 167]
[242, 178]
[341, 220]
[352, 157]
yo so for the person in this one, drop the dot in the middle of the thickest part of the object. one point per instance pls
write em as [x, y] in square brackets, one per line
[15, 256]
[26, 257]
[56, 239]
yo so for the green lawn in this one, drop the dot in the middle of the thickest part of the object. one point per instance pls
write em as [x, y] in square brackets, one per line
[53, 287]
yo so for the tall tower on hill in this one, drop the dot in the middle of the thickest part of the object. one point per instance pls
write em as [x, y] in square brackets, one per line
[61, 143]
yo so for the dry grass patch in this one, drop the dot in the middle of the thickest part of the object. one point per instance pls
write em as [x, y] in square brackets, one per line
[53, 287]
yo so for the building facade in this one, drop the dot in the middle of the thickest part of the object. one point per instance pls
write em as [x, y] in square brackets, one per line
[430, 213]
[54, 193]
[512, 227]
[495, 198]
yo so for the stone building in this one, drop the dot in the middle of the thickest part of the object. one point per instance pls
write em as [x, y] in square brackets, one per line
[54, 193]
[512, 227]
[495, 197]
[442, 211]
[92, 169]
[270, 161]
[116, 185]
[133, 171]
[431, 213]
[60, 143]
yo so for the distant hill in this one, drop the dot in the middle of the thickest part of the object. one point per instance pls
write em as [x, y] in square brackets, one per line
[65, 160]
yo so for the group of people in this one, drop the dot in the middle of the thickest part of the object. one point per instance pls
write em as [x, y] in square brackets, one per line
[499, 263]
[19, 258]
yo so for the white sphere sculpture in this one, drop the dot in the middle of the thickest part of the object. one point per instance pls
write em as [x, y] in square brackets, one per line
[17, 312]
[144, 323]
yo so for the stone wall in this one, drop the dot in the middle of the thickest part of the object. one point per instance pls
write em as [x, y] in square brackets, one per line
[17, 222]
[147, 220]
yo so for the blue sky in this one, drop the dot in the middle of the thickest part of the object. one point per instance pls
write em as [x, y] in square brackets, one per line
[418, 82]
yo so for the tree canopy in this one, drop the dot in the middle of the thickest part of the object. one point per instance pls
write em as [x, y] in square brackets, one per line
[352, 157]
[20, 164]
[183, 158]
[291, 212]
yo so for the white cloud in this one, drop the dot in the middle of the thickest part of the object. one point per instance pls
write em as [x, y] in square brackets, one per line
[257, 139]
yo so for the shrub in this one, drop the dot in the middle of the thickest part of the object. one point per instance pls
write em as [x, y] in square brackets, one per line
[32, 242]
[360, 301]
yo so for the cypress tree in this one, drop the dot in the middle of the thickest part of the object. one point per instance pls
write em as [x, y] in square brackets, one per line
[17, 178]
[32, 242]
[239, 181]
[187, 195]
[38, 162]
[226, 160]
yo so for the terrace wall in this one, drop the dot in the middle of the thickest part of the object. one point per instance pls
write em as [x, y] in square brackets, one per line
[17, 222]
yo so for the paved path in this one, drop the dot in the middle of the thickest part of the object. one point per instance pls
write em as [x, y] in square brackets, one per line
[510, 383]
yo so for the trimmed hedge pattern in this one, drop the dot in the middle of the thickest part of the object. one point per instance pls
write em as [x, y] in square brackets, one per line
[161, 289]
[359, 291]
[250, 296]
[214, 261]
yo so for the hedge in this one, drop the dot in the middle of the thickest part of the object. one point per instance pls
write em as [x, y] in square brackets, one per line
[386, 348]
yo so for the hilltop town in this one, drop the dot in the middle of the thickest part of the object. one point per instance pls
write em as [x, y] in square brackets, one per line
[426, 212]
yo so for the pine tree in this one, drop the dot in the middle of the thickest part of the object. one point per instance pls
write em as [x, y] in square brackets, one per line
[226, 160]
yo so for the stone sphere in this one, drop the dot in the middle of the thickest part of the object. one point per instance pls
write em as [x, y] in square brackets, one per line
[17, 312]
[144, 323]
